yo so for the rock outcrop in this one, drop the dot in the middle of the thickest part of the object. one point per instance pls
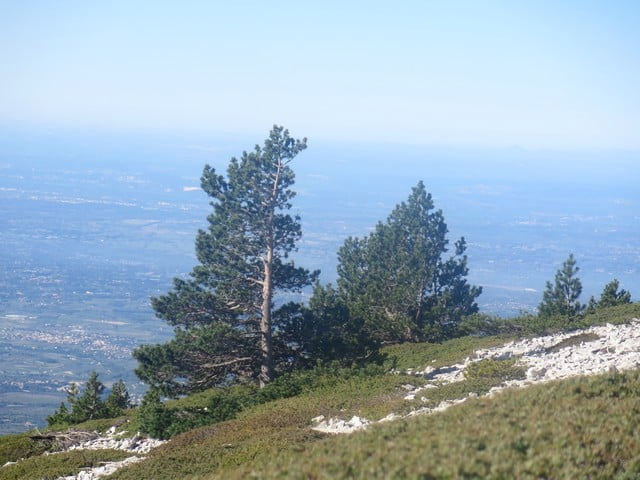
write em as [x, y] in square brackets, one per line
[82, 440]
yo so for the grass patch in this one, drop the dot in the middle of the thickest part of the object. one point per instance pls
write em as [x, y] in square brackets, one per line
[418, 356]
[264, 431]
[217, 405]
[527, 325]
[480, 378]
[495, 370]
[60, 464]
[15, 447]
[572, 341]
[579, 428]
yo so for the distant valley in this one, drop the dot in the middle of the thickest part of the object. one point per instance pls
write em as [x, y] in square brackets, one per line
[85, 242]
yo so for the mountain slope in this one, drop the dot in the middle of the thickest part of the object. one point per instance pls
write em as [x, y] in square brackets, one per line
[573, 428]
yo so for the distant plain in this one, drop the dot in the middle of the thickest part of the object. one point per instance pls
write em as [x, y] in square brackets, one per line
[91, 227]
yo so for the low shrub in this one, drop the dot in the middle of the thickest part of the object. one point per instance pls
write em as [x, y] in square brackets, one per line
[51, 467]
[166, 420]
[495, 370]
[15, 447]
[571, 341]
[481, 324]
[262, 432]
[154, 418]
[579, 428]
[417, 356]
[615, 315]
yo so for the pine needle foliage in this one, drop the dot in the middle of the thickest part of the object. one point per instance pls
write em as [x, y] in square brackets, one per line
[400, 282]
[223, 313]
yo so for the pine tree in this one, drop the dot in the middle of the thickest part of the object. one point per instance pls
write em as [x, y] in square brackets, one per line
[224, 313]
[72, 392]
[561, 297]
[118, 400]
[611, 297]
[397, 280]
[60, 416]
[155, 419]
[89, 405]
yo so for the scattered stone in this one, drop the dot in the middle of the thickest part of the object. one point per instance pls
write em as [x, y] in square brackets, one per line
[596, 350]
[84, 440]
[535, 374]
[336, 425]
[103, 471]
[390, 418]
[112, 440]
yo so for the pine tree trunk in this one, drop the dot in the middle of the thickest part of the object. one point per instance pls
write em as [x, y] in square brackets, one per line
[266, 367]
[266, 344]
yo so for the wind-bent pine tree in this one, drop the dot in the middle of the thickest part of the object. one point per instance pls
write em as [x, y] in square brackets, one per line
[223, 314]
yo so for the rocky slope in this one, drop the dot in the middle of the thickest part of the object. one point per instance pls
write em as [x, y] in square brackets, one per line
[599, 349]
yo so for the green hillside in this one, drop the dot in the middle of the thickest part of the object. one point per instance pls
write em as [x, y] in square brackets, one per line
[585, 427]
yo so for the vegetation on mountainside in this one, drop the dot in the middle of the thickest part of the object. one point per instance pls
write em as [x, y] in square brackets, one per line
[248, 372]
[89, 404]
[225, 321]
[397, 281]
[561, 299]
[610, 297]
[395, 285]
[564, 436]
[578, 428]
[231, 326]
[60, 465]
[547, 431]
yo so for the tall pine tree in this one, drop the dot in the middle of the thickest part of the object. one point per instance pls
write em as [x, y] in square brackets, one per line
[223, 313]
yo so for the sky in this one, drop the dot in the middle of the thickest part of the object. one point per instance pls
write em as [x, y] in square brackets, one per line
[533, 74]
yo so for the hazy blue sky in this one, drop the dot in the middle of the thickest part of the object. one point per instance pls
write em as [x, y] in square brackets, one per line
[539, 74]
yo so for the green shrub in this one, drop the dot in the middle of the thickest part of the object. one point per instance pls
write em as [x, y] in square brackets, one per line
[223, 407]
[500, 370]
[285, 386]
[89, 405]
[155, 419]
[579, 428]
[15, 447]
[420, 355]
[481, 324]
